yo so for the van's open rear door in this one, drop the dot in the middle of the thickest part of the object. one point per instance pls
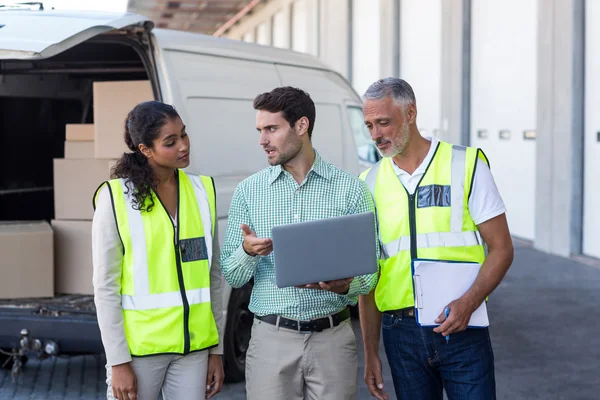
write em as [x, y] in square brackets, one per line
[33, 35]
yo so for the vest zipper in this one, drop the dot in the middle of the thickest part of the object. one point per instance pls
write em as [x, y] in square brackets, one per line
[412, 221]
[412, 208]
[186, 304]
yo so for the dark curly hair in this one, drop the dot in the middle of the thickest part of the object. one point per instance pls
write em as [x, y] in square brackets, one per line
[294, 103]
[142, 126]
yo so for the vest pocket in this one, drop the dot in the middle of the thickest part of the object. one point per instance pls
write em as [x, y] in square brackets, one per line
[193, 249]
[433, 196]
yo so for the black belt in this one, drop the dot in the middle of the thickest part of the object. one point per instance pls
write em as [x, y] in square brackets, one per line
[315, 325]
[403, 313]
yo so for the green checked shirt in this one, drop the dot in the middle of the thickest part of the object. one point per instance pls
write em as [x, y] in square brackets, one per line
[272, 197]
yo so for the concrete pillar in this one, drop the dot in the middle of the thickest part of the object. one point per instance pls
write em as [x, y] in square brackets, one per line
[277, 14]
[390, 37]
[366, 43]
[304, 26]
[456, 90]
[560, 119]
[334, 41]
[282, 25]
[264, 32]
[312, 29]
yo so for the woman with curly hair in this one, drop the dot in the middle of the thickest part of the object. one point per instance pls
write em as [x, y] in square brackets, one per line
[156, 273]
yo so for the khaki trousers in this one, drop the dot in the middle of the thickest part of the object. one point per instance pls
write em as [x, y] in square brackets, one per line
[179, 377]
[285, 364]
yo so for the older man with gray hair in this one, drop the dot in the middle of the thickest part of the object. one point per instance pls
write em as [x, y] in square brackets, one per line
[440, 202]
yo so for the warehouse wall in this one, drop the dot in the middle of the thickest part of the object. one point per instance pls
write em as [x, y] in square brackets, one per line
[527, 104]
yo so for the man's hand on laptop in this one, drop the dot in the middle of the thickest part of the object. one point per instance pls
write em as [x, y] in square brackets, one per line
[254, 246]
[339, 286]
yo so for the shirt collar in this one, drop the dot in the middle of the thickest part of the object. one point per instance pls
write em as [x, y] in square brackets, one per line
[421, 168]
[319, 167]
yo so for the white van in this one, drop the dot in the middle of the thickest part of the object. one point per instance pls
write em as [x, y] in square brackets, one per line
[48, 61]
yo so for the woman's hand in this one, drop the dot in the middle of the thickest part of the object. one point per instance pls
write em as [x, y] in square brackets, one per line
[215, 376]
[124, 382]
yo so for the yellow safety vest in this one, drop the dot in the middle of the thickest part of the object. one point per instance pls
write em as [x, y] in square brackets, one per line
[432, 223]
[165, 283]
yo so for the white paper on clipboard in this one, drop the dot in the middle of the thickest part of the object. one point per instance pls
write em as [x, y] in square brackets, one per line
[437, 283]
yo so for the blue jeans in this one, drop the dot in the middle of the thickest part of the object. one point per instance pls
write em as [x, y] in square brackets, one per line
[423, 364]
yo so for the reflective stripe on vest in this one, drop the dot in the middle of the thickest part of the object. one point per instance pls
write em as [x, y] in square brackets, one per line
[163, 300]
[443, 226]
[165, 283]
[435, 239]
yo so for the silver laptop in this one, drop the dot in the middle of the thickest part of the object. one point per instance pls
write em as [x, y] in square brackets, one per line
[324, 250]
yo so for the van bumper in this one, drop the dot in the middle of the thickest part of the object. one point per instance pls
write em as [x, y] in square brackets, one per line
[74, 334]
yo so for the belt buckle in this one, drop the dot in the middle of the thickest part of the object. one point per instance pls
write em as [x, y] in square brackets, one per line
[306, 327]
[301, 325]
[403, 313]
[408, 313]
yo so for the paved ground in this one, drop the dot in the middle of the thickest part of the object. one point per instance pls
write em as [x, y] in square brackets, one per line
[546, 329]
[545, 332]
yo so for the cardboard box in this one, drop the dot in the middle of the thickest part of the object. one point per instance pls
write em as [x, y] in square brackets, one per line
[73, 257]
[112, 102]
[77, 150]
[27, 265]
[80, 133]
[75, 182]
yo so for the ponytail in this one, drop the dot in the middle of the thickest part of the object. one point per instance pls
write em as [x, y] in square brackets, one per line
[134, 167]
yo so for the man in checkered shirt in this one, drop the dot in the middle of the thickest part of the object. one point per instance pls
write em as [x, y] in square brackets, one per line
[282, 361]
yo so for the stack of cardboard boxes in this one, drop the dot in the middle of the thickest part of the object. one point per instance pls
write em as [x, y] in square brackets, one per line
[91, 150]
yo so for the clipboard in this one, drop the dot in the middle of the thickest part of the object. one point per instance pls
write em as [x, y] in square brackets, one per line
[436, 283]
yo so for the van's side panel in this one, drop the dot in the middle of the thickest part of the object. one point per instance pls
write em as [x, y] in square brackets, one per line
[328, 133]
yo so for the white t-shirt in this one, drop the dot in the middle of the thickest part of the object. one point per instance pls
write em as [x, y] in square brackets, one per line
[485, 202]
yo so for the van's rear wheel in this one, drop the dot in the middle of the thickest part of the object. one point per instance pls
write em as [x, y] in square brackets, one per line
[237, 333]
